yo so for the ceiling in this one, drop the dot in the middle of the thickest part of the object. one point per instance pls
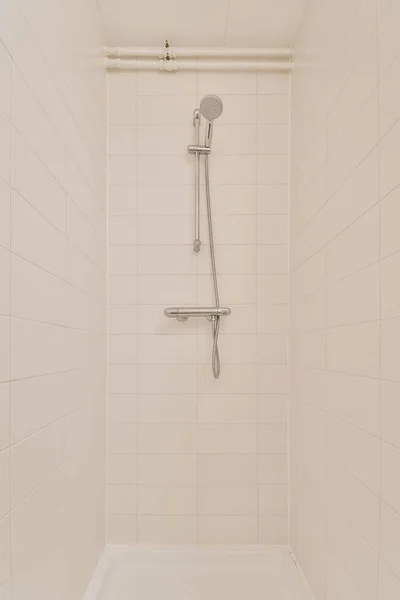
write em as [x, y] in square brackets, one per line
[242, 23]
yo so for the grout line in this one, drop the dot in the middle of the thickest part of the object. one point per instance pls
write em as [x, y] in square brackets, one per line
[289, 318]
[137, 319]
[11, 233]
[380, 341]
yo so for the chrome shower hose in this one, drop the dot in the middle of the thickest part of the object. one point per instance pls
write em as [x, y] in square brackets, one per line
[216, 367]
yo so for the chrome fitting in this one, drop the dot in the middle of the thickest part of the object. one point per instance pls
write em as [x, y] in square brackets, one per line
[196, 149]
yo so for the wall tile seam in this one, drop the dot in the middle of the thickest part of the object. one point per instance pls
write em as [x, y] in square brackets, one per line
[357, 532]
[14, 443]
[17, 317]
[60, 94]
[326, 244]
[42, 375]
[65, 148]
[350, 78]
[333, 282]
[64, 233]
[28, 495]
[342, 140]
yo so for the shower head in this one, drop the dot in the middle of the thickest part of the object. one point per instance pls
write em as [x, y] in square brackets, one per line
[211, 108]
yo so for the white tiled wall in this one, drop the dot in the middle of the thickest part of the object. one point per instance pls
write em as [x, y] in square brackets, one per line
[191, 459]
[52, 297]
[345, 299]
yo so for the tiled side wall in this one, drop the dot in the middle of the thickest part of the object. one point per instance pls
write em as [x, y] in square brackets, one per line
[345, 299]
[52, 298]
[191, 459]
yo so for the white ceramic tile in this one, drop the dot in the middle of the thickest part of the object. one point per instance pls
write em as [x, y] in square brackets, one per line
[5, 483]
[162, 84]
[390, 329]
[36, 239]
[240, 379]
[122, 170]
[7, 21]
[227, 438]
[122, 200]
[389, 540]
[388, 151]
[122, 319]
[166, 110]
[168, 438]
[389, 412]
[122, 349]
[5, 148]
[164, 230]
[389, 584]
[122, 379]
[167, 500]
[154, 379]
[354, 400]
[224, 408]
[122, 438]
[387, 39]
[354, 349]
[122, 140]
[356, 451]
[272, 408]
[357, 503]
[272, 259]
[165, 408]
[228, 500]
[235, 139]
[122, 102]
[4, 415]
[122, 260]
[272, 109]
[123, 289]
[227, 83]
[227, 530]
[357, 556]
[122, 529]
[166, 200]
[229, 470]
[390, 492]
[273, 500]
[164, 170]
[122, 469]
[122, 408]
[273, 530]
[272, 199]
[121, 499]
[272, 469]
[167, 289]
[273, 139]
[167, 349]
[167, 529]
[389, 91]
[232, 200]
[5, 212]
[272, 169]
[172, 469]
[6, 76]
[5, 551]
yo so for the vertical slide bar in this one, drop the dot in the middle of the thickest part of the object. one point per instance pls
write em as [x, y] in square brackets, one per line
[197, 242]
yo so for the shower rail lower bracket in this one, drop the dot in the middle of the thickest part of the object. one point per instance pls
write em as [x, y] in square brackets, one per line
[182, 313]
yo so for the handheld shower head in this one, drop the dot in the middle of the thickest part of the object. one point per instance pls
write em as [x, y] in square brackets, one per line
[211, 108]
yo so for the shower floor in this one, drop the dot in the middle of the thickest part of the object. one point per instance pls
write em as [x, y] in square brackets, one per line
[150, 573]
